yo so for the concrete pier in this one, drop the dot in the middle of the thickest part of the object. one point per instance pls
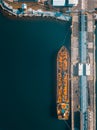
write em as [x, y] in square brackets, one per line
[75, 90]
[83, 76]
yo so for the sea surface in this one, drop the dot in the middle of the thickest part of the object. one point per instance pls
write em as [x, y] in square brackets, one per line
[28, 51]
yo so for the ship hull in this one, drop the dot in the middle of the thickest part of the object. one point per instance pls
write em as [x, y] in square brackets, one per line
[63, 94]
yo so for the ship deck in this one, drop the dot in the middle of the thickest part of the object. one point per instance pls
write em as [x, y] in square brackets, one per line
[63, 95]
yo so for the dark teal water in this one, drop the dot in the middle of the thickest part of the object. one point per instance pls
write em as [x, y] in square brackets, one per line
[28, 51]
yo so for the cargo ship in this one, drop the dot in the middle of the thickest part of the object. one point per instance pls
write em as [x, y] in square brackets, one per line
[63, 100]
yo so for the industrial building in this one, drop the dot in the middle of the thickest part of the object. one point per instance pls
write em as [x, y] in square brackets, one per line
[65, 2]
[83, 69]
[59, 2]
[72, 2]
[24, 6]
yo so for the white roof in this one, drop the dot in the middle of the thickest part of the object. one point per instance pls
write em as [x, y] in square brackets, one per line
[73, 2]
[80, 69]
[59, 2]
[87, 69]
[24, 6]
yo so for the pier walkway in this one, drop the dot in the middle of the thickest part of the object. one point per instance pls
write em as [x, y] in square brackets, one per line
[83, 95]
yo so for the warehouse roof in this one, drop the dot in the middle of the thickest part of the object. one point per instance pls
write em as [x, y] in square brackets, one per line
[59, 2]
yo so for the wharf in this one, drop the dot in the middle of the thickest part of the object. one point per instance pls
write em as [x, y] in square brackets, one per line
[36, 6]
[75, 92]
[92, 78]
[33, 9]
[83, 89]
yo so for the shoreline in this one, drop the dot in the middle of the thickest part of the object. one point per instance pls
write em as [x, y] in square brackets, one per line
[9, 11]
[12, 17]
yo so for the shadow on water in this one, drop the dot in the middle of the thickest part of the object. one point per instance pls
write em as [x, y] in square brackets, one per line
[54, 85]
